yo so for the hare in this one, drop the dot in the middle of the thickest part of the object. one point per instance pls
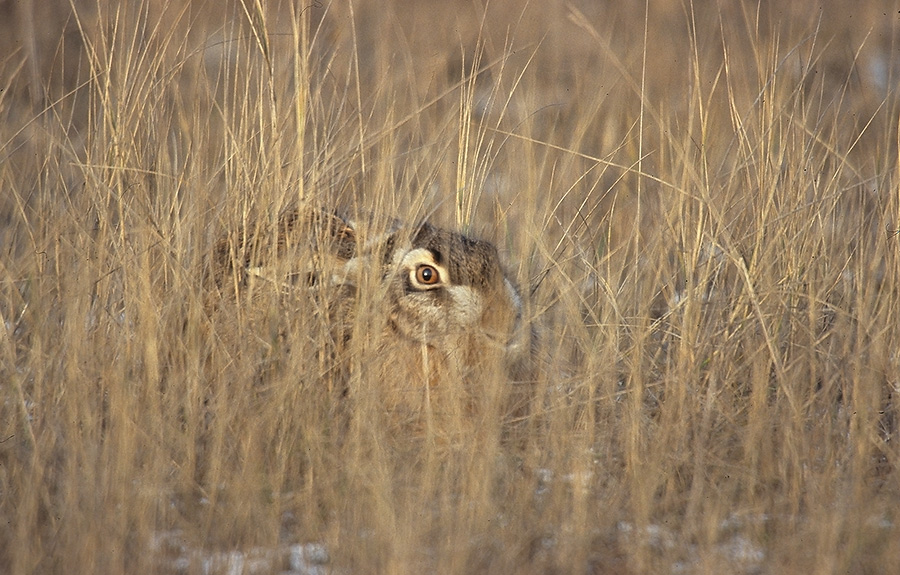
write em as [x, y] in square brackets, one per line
[437, 327]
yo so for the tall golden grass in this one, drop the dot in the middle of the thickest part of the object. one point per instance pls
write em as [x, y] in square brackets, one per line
[700, 200]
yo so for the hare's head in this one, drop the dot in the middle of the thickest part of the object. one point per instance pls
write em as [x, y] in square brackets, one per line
[444, 287]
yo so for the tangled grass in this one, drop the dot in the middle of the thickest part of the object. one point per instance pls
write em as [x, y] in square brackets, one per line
[700, 201]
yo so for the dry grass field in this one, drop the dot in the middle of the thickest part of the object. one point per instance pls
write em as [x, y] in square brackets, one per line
[700, 202]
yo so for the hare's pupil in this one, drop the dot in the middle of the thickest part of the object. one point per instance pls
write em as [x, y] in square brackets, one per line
[427, 275]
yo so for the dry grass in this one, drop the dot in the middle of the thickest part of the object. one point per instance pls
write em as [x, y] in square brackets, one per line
[702, 197]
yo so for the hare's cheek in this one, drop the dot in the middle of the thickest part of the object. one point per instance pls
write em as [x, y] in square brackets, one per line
[467, 305]
[417, 317]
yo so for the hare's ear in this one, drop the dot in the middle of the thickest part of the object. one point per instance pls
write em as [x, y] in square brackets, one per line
[308, 241]
[335, 236]
[326, 232]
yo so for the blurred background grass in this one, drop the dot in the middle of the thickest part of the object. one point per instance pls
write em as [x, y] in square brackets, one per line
[699, 198]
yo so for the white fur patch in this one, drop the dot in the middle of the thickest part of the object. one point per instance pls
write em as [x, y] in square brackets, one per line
[468, 304]
[520, 340]
[513, 296]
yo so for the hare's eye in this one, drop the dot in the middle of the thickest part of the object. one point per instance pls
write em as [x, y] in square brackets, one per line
[427, 275]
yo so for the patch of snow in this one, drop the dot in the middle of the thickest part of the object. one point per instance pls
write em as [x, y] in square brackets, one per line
[174, 556]
[308, 559]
